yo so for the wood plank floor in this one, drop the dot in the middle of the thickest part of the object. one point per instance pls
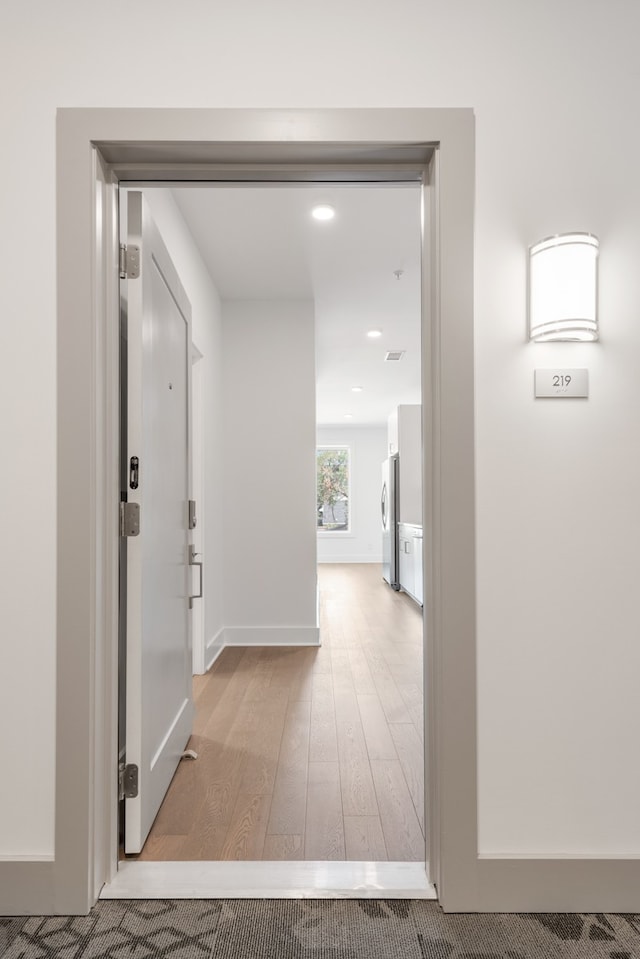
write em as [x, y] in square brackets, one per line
[311, 754]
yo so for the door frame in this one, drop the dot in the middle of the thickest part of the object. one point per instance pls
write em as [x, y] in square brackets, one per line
[90, 144]
[198, 415]
[95, 149]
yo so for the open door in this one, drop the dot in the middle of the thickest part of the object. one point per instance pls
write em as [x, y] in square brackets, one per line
[155, 520]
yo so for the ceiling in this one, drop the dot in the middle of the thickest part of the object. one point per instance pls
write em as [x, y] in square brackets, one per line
[260, 242]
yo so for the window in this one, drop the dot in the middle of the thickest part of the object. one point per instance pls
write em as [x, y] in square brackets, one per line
[333, 482]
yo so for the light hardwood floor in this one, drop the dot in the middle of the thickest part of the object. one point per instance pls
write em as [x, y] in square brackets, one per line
[305, 753]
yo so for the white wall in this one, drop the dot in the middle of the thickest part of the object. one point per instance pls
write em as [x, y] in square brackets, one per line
[363, 543]
[269, 498]
[555, 90]
[206, 331]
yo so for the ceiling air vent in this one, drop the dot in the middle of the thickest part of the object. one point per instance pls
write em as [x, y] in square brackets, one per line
[394, 355]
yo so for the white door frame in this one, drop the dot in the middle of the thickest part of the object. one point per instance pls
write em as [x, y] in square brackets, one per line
[95, 148]
[198, 415]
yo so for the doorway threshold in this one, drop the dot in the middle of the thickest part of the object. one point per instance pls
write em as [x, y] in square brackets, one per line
[269, 880]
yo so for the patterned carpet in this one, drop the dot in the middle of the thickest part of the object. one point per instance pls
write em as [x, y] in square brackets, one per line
[313, 929]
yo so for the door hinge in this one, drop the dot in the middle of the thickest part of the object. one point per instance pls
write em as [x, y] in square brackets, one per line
[129, 262]
[129, 519]
[127, 781]
[134, 472]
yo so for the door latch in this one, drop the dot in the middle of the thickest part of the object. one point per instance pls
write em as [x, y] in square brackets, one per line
[134, 472]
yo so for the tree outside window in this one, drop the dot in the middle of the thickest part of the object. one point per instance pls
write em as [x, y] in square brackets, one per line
[333, 489]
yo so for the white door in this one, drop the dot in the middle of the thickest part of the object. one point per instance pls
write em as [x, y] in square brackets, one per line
[159, 705]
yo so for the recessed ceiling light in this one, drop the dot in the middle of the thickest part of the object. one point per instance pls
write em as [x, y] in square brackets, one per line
[374, 334]
[348, 416]
[356, 389]
[323, 212]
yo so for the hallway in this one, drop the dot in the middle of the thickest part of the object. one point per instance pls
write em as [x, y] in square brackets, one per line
[309, 753]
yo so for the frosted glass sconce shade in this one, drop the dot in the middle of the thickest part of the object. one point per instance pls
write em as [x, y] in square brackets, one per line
[563, 288]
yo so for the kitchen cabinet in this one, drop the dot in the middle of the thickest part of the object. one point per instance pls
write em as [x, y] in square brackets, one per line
[410, 560]
[417, 565]
[405, 439]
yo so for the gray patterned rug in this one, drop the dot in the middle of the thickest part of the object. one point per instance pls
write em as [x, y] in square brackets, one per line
[313, 929]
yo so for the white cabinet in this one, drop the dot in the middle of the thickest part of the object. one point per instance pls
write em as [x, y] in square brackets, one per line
[410, 560]
[405, 439]
[392, 432]
[417, 565]
[406, 575]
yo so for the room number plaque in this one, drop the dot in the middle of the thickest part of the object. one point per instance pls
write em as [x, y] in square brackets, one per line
[561, 383]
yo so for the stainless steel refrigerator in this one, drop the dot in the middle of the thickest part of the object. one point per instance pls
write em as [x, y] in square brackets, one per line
[389, 511]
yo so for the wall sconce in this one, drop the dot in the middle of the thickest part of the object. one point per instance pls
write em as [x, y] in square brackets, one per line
[563, 288]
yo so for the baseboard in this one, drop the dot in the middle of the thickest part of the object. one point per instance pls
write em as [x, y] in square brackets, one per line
[272, 636]
[259, 636]
[353, 558]
[28, 888]
[554, 885]
[213, 649]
